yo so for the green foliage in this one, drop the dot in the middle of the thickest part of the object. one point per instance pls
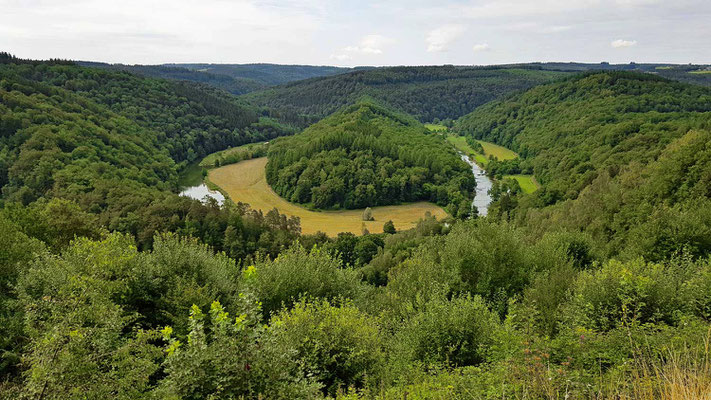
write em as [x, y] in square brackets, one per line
[457, 333]
[570, 131]
[227, 83]
[295, 273]
[83, 344]
[235, 155]
[229, 356]
[267, 74]
[389, 227]
[366, 155]
[340, 346]
[633, 291]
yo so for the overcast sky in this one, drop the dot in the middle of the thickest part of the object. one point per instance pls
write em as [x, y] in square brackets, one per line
[365, 32]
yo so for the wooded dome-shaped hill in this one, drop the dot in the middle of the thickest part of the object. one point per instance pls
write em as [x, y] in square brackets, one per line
[368, 155]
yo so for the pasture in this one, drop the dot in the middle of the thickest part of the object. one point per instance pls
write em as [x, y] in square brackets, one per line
[528, 183]
[246, 182]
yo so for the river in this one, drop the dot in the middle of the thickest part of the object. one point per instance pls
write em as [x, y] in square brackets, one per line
[201, 192]
[192, 185]
[482, 199]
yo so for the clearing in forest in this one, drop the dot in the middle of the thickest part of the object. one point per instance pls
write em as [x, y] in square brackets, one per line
[246, 182]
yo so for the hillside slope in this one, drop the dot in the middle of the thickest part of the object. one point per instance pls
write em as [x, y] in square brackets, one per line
[227, 83]
[192, 120]
[424, 92]
[102, 149]
[266, 74]
[621, 156]
[366, 155]
[570, 131]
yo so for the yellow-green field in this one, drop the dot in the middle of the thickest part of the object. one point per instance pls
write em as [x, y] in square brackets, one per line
[436, 127]
[502, 153]
[703, 71]
[527, 182]
[246, 182]
[209, 160]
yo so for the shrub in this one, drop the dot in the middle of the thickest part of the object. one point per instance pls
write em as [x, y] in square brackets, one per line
[228, 356]
[297, 272]
[338, 345]
[457, 332]
[368, 214]
[632, 291]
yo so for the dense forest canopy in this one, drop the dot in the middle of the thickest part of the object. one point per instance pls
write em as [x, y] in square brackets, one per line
[104, 149]
[598, 142]
[266, 74]
[366, 155]
[423, 92]
[227, 83]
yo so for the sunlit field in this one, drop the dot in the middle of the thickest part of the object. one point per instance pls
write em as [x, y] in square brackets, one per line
[246, 182]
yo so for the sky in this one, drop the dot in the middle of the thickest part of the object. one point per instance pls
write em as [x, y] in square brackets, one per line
[365, 32]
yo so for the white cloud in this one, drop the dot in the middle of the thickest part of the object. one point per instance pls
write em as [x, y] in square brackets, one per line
[619, 43]
[341, 57]
[555, 29]
[481, 47]
[536, 27]
[440, 38]
[368, 45]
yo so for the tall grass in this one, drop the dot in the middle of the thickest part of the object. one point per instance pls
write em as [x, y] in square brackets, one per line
[680, 373]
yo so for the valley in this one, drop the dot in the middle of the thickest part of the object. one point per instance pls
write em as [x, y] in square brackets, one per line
[246, 182]
[338, 256]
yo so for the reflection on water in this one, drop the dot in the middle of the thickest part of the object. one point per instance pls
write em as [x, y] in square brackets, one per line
[482, 199]
[200, 192]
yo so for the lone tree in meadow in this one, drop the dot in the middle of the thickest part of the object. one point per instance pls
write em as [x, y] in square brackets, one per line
[389, 227]
[368, 214]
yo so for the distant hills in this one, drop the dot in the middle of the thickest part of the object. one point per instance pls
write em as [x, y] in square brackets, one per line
[423, 92]
[267, 74]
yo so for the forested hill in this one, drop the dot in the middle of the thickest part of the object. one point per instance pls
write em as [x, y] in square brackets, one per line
[367, 155]
[590, 140]
[87, 149]
[266, 74]
[190, 120]
[424, 92]
[227, 83]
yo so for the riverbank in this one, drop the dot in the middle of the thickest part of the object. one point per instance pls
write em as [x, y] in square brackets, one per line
[528, 183]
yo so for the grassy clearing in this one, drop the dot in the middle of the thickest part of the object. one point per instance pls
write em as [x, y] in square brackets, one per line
[436, 127]
[705, 71]
[490, 149]
[210, 159]
[527, 182]
[246, 182]
[502, 153]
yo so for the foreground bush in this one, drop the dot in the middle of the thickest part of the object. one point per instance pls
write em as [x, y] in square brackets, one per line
[339, 346]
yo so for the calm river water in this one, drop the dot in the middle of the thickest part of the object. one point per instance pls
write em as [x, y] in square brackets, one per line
[200, 192]
[483, 184]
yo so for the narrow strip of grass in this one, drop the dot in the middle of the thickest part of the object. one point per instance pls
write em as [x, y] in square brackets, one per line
[210, 159]
[436, 127]
[528, 183]
[500, 152]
